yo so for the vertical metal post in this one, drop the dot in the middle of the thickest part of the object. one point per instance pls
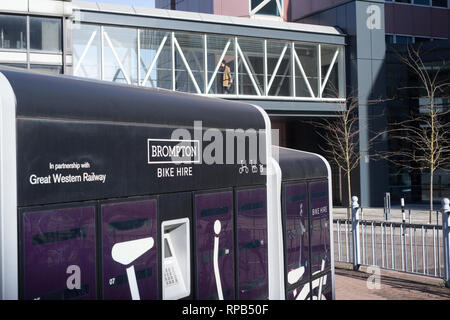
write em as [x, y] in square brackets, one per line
[434, 252]
[266, 70]
[403, 239]
[402, 204]
[411, 248]
[374, 261]
[423, 250]
[402, 233]
[355, 233]
[439, 254]
[382, 245]
[236, 65]
[205, 64]
[365, 244]
[28, 42]
[445, 230]
[415, 248]
[339, 239]
[387, 206]
[385, 246]
[293, 89]
[319, 71]
[392, 248]
[102, 53]
[172, 48]
[138, 35]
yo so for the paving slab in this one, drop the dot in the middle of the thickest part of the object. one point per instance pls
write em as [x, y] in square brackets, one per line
[353, 285]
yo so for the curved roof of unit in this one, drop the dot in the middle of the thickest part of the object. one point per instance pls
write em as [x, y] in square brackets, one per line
[203, 17]
[299, 165]
[73, 98]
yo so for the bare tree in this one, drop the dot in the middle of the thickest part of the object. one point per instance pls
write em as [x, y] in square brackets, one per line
[423, 137]
[341, 134]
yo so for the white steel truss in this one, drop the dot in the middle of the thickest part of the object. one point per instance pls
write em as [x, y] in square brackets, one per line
[263, 4]
[213, 58]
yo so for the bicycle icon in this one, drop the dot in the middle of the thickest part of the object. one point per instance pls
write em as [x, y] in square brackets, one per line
[254, 167]
[243, 168]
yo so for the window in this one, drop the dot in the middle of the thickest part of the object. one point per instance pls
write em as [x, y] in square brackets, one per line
[421, 39]
[14, 65]
[266, 7]
[278, 68]
[191, 62]
[45, 34]
[120, 54]
[13, 32]
[389, 39]
[404, 39]
[422, 2]
[87, 58]
[46, 68]
[330, 85]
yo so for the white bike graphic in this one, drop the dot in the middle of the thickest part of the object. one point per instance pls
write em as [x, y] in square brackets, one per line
[296, 274]
[127, 252]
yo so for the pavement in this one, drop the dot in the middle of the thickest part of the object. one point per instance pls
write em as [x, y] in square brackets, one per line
[353, 285]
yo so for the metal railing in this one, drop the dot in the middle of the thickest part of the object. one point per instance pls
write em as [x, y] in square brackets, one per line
[415, 248]
[406, 247]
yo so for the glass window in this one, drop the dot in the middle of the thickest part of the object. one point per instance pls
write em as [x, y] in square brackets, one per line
[155, 44]
[422, 2]
[219, 46]
[270, 8]
[13, 32]
[279, 68]
[403, 1]
[46, 68]
[86, 51]
[307, 56]
[330, 60]
[15, 65]
[189, 62]
[120, 54]
[45, 34]
[389, 39]
[251, 66]
[440, 3]
[403, 39]
[421, 39]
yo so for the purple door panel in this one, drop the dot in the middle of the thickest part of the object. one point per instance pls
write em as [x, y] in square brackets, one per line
[59, 254]
[320, 226]
[127, 227]
[321, 287]
[251, 206]
[214, 223]
[296, 233]
[301, 292]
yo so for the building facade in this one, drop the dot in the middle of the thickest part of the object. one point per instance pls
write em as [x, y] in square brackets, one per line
[297, 59]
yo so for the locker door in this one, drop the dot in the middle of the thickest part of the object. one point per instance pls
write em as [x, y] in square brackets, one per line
[214, 231]
[296, 235]
[320, 238]
[129, 250]
[251, 208]
[58, 254]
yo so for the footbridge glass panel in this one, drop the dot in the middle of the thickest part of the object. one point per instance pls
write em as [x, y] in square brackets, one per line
[254, 67]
